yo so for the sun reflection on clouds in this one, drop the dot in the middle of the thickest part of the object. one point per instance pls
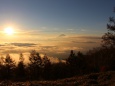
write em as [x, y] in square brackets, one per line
[54, 45]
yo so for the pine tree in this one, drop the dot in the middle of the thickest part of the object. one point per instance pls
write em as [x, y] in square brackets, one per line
[72, 58]
[9, 67]
[46, 67]
[20, 70]
[108, 39]
[35, 65]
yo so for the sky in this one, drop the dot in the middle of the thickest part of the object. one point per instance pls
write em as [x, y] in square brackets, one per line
[53, 27]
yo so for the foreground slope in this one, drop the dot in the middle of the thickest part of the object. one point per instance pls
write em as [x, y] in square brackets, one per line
[97, 79]
[94, 79]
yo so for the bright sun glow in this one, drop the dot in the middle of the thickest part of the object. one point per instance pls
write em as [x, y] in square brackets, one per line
[9, 31]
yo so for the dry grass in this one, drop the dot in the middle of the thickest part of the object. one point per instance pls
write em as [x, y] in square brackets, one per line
[94, 79]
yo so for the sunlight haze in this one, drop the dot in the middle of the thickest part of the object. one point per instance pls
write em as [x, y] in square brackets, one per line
[9, 31]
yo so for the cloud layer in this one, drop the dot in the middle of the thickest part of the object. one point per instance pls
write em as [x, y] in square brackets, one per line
[23, 44]
[56, 47]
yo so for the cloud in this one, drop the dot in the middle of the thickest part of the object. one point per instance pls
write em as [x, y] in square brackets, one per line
[87, 37]
[60, 52]
[84, 42]
[14, 50]
[2, 45]
[44, 27]
[62, 35]
[48, 48]
[5, 47]
[70, 29]
[23, 44]
[54, 59]
[16, 47]
[83, 30]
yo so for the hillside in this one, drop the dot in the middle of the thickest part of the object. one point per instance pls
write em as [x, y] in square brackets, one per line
[94, 79]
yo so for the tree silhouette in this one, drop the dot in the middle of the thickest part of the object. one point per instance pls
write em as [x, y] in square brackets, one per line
[46, 67]
[2, 67]
[76, 63]
[45, 61]
[21, 58]
[35, 58]
[20, 70]
[109, 37]
[72, 58]
[35, 65]
[72, 62]
[9, 67]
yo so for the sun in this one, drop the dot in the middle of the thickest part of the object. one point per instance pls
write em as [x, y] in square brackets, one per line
[9, 31]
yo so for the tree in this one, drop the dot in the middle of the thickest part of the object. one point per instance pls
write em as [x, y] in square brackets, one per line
[9, 65]
[45, 61]
[35, 65]
[108, 39]
[20, 70]
[109, 42]
[76, 63]
[72, 58]
[21, 58]
[2, 67]
[35, 58]
[72, 62]
[46, 67]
